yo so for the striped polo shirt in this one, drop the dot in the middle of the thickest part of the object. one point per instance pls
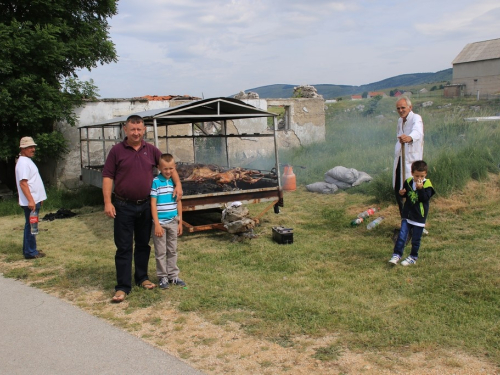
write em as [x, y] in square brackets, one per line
[163, 189]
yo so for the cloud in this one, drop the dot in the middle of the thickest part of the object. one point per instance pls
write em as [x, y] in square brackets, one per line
[478, 17]
[219, 47]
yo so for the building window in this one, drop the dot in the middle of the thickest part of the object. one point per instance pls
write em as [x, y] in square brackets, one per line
[283, 119]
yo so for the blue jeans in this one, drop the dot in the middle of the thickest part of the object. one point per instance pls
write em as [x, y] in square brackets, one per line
[403, 235]
[132, 226]
[29, 240]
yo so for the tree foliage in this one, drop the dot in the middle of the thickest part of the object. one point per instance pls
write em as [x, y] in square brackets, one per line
[372, 105]
[43, 44]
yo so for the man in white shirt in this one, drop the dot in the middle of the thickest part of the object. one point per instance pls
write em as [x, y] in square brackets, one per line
[31, 193]
[410, 138]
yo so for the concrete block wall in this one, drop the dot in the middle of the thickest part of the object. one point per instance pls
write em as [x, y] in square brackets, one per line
[307, 126]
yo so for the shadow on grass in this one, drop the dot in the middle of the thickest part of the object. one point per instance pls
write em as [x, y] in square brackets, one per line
[12, 250]
[76, 276]
[141, 298]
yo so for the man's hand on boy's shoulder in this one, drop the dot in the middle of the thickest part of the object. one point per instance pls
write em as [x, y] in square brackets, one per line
[177, 194]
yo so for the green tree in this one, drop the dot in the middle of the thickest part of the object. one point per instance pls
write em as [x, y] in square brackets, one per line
[393, 92]
[43, 44]
[372, 105]
[364, 95]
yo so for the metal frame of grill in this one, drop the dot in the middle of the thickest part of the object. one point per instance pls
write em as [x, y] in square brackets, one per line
[206, 110]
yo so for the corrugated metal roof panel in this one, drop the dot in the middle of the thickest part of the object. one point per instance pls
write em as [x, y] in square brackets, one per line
[214, 109]
[478, 51]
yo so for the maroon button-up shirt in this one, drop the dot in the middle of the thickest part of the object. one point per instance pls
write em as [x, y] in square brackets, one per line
[131, 170]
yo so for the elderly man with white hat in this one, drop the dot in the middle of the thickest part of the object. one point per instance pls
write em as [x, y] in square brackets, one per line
[31, 193]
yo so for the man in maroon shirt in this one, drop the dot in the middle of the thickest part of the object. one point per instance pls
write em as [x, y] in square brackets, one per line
[129, 166]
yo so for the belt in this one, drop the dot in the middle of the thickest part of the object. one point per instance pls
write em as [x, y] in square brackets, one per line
[134, 201]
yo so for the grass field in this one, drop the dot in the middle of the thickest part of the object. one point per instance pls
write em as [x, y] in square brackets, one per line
[329, 293]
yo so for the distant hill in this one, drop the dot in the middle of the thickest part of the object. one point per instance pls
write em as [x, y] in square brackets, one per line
[334, 91]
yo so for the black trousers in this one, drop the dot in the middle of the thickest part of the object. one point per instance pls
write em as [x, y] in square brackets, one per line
[132, 231]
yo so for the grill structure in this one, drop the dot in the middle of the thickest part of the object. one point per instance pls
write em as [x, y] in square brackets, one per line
[163, 131]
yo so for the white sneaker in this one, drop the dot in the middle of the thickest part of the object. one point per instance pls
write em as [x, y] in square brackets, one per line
[395, 259]
[408, 261]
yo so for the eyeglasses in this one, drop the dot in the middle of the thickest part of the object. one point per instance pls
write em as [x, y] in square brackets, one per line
[398, 108]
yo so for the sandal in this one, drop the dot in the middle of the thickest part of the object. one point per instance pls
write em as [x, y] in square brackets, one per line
[146, 284]
[119, 296]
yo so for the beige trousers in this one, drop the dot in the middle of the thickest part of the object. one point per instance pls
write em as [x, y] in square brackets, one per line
[166, 250]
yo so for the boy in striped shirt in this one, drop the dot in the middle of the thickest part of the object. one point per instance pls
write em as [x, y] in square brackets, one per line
[167, 219]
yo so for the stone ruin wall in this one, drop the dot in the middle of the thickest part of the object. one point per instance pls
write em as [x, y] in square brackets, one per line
[306, 121]
[66, 173]
[307, 126]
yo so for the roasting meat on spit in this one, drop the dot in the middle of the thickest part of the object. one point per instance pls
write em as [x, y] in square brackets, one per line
[201, 173]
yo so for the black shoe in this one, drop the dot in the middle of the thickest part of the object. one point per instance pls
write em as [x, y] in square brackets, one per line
[39, 255]
[164, 283]
[177, 281]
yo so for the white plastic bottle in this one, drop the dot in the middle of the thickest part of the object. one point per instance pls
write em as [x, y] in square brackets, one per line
[368, 212]
[374, 223]
[34, 222]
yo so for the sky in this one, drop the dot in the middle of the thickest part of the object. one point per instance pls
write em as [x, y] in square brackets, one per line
[212, 48]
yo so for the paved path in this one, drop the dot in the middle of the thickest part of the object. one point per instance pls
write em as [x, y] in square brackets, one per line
[40, 334]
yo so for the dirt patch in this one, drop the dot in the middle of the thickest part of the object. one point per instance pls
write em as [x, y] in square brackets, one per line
[227, 349]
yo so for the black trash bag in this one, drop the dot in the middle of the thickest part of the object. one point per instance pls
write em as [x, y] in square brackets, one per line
[62, 213]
